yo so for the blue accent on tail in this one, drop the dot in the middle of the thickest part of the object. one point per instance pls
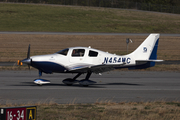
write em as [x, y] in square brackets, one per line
[153, 56]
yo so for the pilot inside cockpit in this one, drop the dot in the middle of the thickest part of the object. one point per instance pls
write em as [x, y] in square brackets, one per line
[78, 53]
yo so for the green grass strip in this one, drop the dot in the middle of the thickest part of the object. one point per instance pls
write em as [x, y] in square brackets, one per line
[52, 18]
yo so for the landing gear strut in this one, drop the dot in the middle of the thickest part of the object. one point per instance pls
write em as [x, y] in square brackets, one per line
[40, 74]
[86, 82]
[79, 74]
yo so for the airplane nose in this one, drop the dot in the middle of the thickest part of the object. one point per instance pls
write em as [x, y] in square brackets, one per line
[26, 61]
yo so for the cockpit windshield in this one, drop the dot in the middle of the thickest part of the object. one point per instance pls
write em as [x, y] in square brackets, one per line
[63, 52]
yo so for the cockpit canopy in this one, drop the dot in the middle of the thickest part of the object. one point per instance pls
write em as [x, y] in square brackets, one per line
[63, 52]
[78, 52]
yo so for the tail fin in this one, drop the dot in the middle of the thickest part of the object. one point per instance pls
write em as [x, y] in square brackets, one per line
[148, 49]
[146, 54]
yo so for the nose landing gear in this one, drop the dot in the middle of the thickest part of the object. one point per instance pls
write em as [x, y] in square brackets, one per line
[40, 81]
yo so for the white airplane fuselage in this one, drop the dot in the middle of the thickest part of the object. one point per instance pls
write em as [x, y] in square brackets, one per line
[62, 63]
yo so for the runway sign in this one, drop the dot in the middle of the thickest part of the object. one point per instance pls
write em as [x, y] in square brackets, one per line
[18, 113]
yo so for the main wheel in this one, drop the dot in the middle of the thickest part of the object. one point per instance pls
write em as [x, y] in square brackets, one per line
[69, 81]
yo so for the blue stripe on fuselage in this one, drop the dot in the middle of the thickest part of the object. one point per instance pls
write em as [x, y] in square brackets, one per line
[48, 67]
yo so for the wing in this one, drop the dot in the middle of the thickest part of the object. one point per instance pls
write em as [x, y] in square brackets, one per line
[95, 68]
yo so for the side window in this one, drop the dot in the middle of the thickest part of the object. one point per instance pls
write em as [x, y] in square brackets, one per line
[63, 52]
[93, 53]
[78, 52]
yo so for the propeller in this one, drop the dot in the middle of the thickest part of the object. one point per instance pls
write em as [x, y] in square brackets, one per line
[28, 53]
[26, 60]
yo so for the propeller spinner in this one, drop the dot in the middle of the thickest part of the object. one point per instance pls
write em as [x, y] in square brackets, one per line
[27, 60]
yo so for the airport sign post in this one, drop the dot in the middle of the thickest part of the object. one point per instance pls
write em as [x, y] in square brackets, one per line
[18, 113]
[127, 42]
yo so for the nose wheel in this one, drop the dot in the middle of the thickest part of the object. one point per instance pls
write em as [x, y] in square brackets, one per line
[40, 81]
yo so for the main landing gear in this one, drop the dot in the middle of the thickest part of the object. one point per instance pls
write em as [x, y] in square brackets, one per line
[84, 82]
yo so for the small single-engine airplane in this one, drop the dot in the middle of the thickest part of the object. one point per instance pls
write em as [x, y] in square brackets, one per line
[82, 60]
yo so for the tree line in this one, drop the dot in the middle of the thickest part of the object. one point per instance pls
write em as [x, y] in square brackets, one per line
[168, 6]
[160, 2]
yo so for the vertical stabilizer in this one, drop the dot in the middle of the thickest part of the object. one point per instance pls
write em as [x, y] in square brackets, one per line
[148, 49]
[146, 54]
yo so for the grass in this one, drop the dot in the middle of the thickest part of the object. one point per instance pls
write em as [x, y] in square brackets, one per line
[54, 18]
[14, 47]
[157, 110]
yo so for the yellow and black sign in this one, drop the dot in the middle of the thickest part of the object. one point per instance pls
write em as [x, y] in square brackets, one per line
[18, 113]
[31, 113]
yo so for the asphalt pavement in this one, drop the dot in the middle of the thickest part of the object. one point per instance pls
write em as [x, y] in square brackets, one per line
[115, 86]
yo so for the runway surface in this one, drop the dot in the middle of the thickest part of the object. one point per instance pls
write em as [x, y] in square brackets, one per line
[115, 86]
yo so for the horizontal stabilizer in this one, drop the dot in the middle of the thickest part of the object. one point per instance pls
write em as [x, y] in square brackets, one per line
[149, 60]
[138, 62]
